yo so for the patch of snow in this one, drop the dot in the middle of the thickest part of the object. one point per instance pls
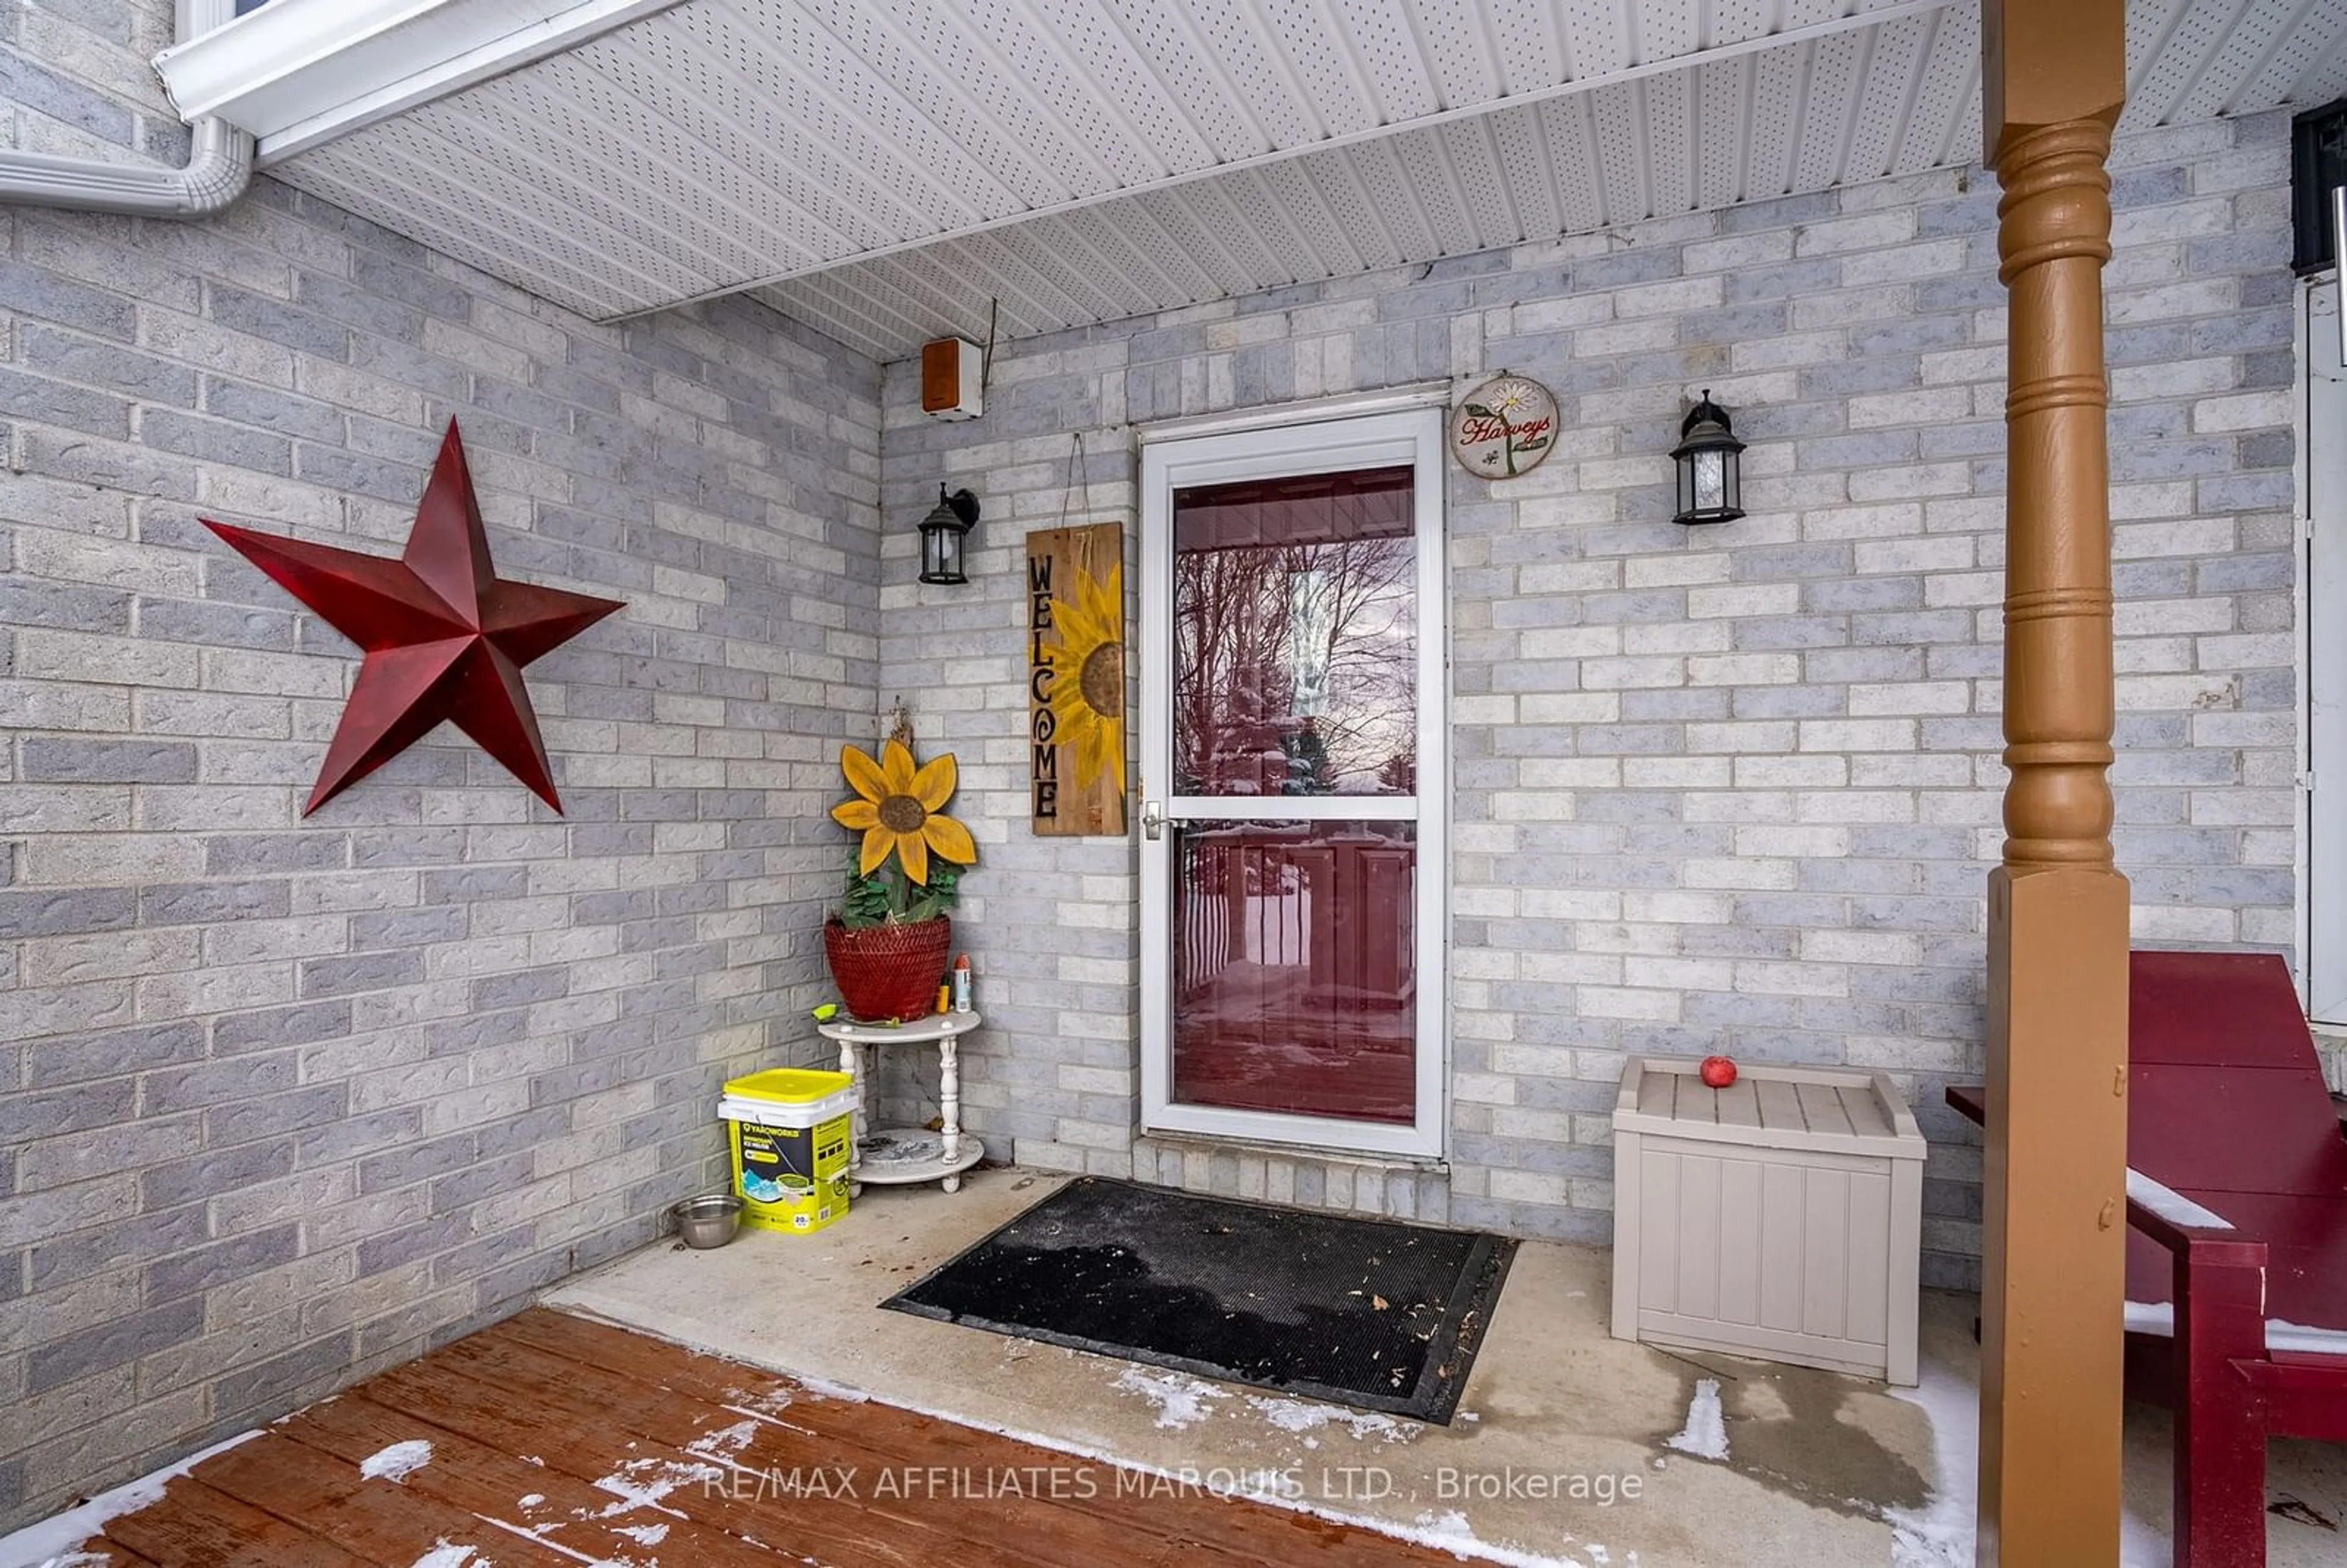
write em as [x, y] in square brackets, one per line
[2296, 1339]
[2170, 1205]
[643, 1482]
[1706, 1432]
[398, 1462]
[2300, 1339]
[2141, 1547]
[536, 1539]
[1298, 1416]
[643, 1535]
[444, 1556]
[1940, 1534]
[762, 1399]
[1449, 1531]
[1180, 1401]
[533, 1500]
[51, 1542]
[730, 1439]
[822, 1387]
[1450, 1523]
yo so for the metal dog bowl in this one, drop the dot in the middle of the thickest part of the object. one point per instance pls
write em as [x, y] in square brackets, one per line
[709, 1220]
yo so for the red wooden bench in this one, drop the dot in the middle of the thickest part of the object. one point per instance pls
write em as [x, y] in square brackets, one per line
[2237, 1243]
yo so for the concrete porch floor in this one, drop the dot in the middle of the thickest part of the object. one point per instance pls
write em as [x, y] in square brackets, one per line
[1561, 1454]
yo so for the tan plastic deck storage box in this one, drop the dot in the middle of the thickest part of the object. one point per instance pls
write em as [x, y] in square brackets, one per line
[1780, 1217]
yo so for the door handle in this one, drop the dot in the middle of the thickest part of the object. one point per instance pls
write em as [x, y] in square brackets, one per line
[1153, 818]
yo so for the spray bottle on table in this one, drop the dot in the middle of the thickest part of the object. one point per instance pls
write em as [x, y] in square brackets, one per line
[961, 984]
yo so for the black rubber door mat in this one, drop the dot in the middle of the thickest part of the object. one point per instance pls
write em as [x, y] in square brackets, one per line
[1372, 1314]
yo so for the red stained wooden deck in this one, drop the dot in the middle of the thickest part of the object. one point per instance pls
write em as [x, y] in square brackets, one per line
[556, 1439]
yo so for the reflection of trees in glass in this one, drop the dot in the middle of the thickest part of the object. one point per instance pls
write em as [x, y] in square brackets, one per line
[1297, 669]
[1310, 627]
[1308, 760]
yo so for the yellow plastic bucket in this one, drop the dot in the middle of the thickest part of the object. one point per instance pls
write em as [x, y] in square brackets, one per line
[788, 1130]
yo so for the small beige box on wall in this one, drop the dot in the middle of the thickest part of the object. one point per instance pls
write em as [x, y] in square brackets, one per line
[1780, 1217]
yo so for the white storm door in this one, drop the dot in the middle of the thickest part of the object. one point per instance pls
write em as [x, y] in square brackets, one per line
[2325, 954]
[1294, 784]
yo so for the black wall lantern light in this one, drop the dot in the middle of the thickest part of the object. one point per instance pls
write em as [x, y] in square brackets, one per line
[941, 536]
[1711, 479]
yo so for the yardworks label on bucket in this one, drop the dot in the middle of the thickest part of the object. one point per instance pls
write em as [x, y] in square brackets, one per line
[792, 1178]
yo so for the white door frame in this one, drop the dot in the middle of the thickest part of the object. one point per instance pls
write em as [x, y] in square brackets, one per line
[2323, 620]
[1279, 451]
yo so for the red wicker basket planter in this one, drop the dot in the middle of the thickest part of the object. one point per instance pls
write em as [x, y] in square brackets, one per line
[886, 972]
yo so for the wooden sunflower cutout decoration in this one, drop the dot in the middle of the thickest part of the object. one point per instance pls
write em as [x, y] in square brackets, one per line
[1087, 663]
[897, 808]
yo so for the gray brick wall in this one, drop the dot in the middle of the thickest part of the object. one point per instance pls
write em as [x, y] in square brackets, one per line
[284, 1101]
[1733, 789]
[281, 1101]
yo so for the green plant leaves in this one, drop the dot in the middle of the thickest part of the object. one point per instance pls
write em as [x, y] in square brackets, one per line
[939, 894]
[887, 894]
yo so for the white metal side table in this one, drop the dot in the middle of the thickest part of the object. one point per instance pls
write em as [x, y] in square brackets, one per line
[893, 1155]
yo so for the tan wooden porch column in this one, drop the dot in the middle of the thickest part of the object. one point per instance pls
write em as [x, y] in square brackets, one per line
[2055, 1223]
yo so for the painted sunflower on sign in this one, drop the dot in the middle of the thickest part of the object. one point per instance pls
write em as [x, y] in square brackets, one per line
[897, 809]
[1088, 676]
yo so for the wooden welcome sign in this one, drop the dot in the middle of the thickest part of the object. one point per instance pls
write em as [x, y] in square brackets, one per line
[1075, 678]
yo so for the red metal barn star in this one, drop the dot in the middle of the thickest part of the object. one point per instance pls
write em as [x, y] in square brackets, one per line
[445, 637]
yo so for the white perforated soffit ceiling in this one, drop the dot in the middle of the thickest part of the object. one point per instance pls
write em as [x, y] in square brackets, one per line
[882, 169]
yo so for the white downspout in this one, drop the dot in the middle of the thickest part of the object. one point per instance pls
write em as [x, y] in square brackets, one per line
[220, 167]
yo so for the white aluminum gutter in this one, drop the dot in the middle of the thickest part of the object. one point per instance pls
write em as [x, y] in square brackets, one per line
[297, 72]
[220, 166]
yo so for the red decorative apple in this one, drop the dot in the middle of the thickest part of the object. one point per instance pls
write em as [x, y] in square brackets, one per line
[1718, 1071]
